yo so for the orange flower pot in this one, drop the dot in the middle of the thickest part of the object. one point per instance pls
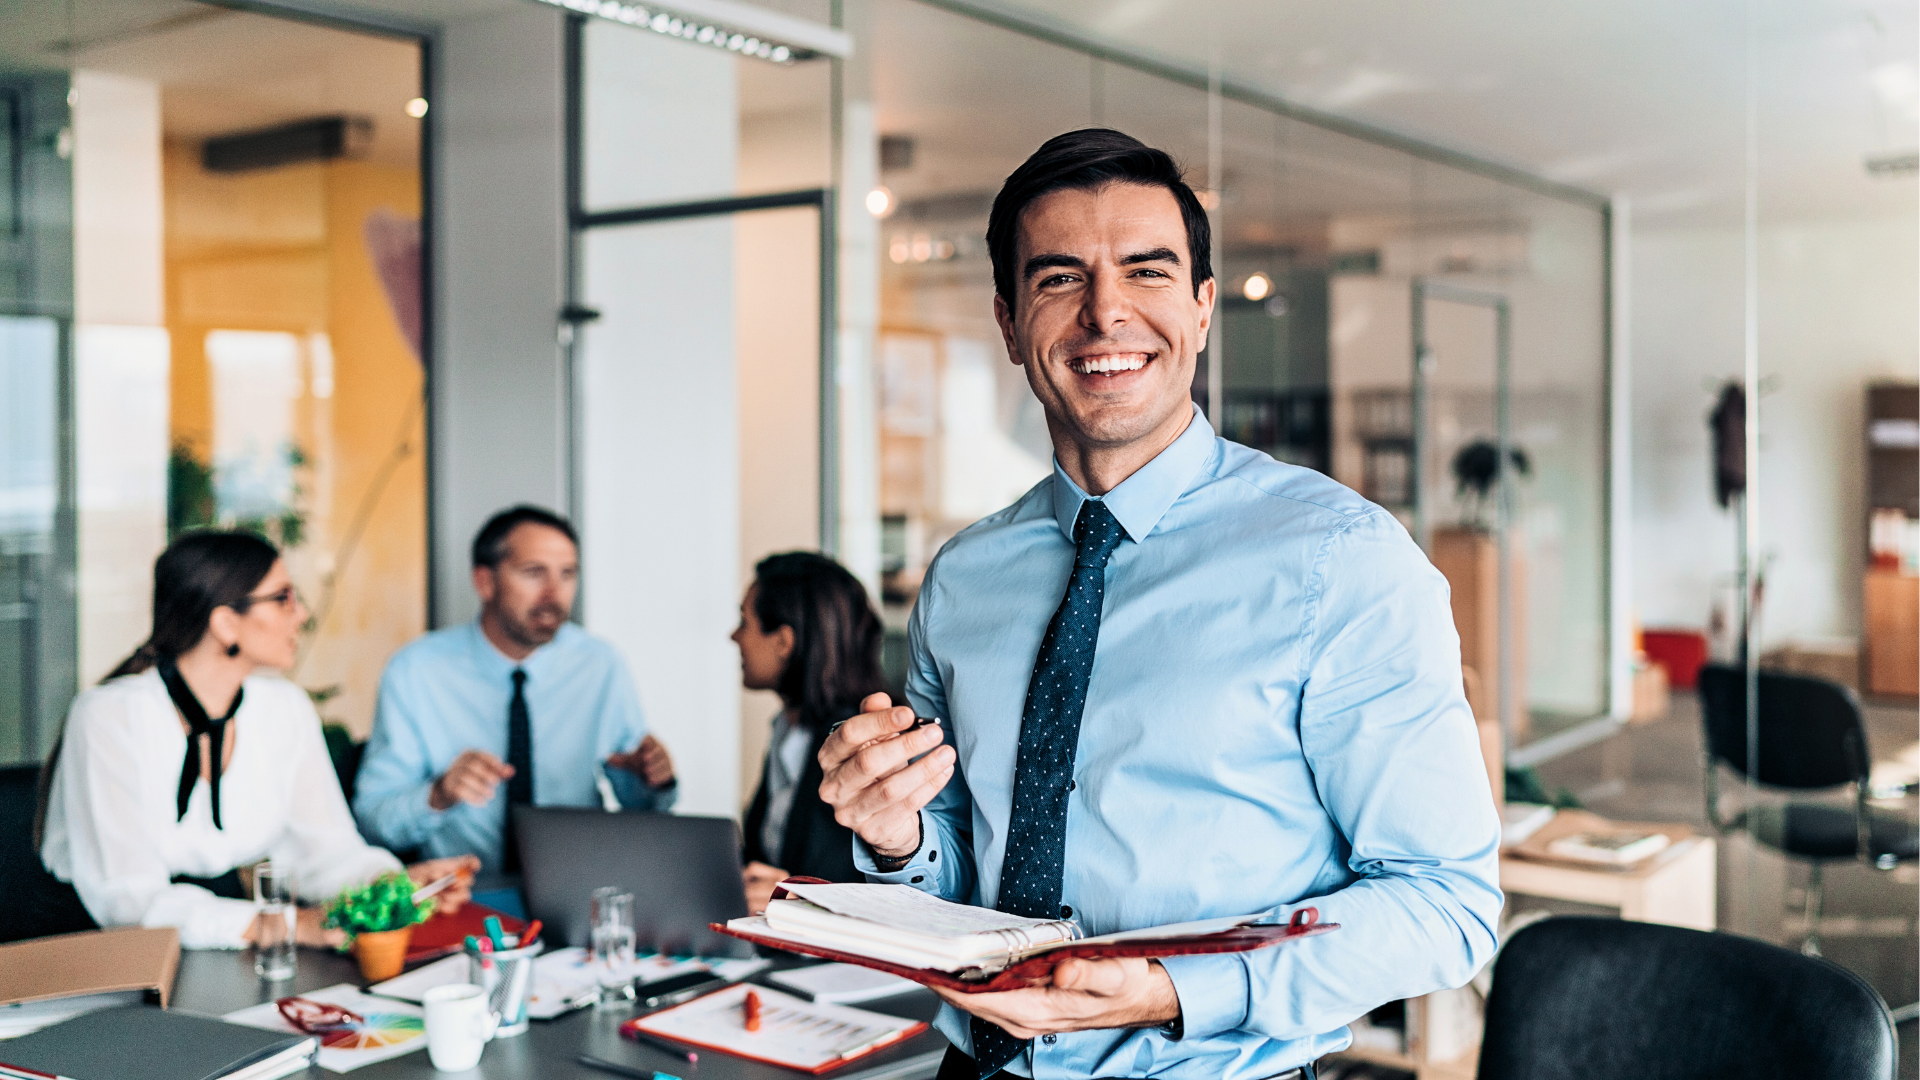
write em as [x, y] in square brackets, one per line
[382, 954]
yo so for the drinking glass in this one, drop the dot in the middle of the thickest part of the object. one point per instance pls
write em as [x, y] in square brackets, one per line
[611, 920]
[274, 898]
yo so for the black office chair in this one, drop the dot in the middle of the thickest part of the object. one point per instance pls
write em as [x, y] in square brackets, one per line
[1580, 998]
[1811, 737]
[33, 903]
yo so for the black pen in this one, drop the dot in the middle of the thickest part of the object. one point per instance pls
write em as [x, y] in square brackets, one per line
[616, 1069]
[661, 1045]
[918, 723]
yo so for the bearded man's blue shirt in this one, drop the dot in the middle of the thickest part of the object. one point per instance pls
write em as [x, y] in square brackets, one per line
[1275, 719]
[449, 692]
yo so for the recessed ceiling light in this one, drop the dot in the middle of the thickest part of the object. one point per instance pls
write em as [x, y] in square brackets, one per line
[417, 108]
[1257, 287]
[804, 39]
[880, 202]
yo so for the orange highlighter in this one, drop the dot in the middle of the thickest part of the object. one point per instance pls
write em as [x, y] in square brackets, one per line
[750, 1011]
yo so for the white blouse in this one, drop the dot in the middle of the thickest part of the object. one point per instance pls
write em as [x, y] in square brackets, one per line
[111, 828]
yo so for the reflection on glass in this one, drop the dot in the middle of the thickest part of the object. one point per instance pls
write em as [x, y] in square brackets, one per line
[29, 495]
[247, 347]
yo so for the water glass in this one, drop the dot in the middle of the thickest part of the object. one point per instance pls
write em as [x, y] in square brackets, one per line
[611, 935]
[275, 900]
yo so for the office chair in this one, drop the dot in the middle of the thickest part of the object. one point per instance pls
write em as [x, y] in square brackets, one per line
[1811, 737]
[33, 903]
[1579, 997]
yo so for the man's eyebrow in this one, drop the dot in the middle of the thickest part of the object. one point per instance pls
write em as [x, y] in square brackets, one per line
[1044, 262]
[1075, 262]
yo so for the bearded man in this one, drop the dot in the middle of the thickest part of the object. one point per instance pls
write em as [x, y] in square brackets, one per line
[519, 707]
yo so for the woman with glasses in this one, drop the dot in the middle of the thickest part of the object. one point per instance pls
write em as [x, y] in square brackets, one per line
[194, 759]
[807, 633]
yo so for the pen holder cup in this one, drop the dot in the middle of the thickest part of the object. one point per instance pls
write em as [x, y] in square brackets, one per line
[507, 977]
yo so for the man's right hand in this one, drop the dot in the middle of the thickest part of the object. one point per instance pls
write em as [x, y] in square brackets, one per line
[872, 782]
[471, 779]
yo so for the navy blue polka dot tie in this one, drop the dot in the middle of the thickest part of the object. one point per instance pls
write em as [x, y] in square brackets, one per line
[1049, 735]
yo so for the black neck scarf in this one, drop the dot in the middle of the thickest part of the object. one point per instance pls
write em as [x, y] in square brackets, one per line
[198, 724]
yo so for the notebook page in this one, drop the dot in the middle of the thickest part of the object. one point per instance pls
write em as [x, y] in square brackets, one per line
[907, 908]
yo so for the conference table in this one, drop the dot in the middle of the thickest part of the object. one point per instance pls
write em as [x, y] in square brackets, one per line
[217, 982]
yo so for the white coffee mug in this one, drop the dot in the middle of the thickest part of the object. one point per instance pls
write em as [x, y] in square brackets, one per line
[459, 1023]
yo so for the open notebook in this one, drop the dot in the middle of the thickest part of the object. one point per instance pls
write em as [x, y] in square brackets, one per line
[906, 932]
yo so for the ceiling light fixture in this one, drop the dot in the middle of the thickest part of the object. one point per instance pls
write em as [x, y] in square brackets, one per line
[880, 202]
[1257, 287]
[417, 108]
[725, 24]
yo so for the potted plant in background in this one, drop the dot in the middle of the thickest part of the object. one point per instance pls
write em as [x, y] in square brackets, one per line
[379, 918]
[1468, 555]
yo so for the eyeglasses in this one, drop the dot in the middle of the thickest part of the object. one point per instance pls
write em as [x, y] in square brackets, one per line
[286, 598]
[317, 1017]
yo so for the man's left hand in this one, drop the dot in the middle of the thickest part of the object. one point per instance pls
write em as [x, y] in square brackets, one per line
[1120, 993]
[648, 761]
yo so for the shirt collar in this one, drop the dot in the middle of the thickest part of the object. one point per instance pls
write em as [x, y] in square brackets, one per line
[1141, 500]
[491, 658]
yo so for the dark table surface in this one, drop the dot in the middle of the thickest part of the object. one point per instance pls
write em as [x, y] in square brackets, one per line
[217, 982]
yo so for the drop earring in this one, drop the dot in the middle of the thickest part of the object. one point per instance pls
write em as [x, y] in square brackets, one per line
[233, 649]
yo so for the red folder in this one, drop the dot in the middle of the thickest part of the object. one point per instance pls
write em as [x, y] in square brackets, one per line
[443, 934]
[1038, 970]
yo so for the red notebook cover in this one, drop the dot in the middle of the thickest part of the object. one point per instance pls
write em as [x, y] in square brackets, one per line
[1038, 970]
[443, 934]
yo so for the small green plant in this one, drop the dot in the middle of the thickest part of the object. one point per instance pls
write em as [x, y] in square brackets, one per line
[385, 903]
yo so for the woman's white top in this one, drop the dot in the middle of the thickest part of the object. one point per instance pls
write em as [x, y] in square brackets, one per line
[111, 828]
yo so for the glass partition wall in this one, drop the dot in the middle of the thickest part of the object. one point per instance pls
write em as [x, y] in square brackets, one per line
[210, 315]
[1323, 240]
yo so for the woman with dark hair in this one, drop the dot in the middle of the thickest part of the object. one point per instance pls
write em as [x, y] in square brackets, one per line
[807, 633]
[192, 760]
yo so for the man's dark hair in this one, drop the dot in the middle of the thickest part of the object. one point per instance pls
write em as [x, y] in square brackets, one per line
[1090, 158]
[490, 544]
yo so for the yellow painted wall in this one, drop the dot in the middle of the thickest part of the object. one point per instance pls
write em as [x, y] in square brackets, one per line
[284, 250]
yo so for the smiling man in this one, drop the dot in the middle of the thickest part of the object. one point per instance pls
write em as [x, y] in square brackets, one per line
[518, 707]
[1180, 680]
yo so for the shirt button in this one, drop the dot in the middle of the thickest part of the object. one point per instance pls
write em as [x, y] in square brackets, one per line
[1049, 1039]
[1071, 784]
[1066, 911]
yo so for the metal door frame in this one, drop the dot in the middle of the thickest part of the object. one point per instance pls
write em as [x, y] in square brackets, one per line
[1424, 290]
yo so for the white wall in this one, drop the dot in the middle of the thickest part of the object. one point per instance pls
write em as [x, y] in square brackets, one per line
[1837, 309]
[659, 421]
[120, 361]
[498, 379]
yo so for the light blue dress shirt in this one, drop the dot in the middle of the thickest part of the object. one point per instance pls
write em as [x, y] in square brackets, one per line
[448, 692]
[1275, 719]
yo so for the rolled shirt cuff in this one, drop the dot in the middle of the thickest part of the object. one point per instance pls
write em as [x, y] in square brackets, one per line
[922, 871]
[1214, 992]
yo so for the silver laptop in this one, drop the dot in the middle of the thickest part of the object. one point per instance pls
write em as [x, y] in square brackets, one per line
[683, 872]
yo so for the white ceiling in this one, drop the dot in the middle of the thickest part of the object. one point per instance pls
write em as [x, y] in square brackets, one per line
[222, 71]
[1638, 97]
[1634, 97]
